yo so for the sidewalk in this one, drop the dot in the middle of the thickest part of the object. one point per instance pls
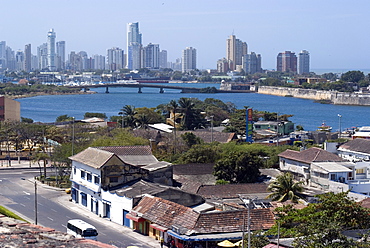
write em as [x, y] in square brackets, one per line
[64, 200]
[149, 242]
[18, 164]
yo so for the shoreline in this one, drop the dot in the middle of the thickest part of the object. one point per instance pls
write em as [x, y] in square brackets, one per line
[48, 94]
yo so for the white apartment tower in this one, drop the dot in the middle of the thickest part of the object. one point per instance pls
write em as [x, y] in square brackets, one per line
[304, 62]
[151, 56]
[51, 50]
[134, 46]
[115, 58]
[189, 59]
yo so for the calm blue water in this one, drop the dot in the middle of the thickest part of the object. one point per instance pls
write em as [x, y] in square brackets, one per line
[306, 113]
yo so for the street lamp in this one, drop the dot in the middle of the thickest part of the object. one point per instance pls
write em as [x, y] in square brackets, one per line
[73, 134]
[247, 203]
[35, 200]
[340, 125]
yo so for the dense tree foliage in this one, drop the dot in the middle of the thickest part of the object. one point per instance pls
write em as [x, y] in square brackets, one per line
[353, 76]
[322, 224]
[238, 167]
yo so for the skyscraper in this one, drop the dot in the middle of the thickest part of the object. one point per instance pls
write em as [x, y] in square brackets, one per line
[252, 63]
[115, 58]
[27, 58]
[189, 59]
[134, 46]
[235, 50]
[303, 62]
[42, 54]
[61, 54]
[2, 55]
[151, 56]
[51, 50]
[163, 59]
[286, 62]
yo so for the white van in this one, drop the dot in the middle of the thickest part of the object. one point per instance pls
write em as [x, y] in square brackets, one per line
[81, 229]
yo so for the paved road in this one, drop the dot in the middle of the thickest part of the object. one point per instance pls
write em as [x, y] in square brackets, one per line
[17, 193]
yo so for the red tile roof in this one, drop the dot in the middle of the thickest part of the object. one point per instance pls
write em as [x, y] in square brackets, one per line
[166, 214]
[231, 190]
[310, 155]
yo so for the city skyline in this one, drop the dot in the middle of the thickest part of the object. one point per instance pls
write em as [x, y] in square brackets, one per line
[329, 30]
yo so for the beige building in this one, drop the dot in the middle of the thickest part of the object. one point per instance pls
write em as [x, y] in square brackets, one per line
[9, 109]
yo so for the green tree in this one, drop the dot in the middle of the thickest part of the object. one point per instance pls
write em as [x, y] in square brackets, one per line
[201, 153]
[353, 76]
[62, 118]
[118, 137]
[188, 113]
[98, 115]
[191, 139]
[285, 188]
[238, 167]
[129, 112]
[26, 120]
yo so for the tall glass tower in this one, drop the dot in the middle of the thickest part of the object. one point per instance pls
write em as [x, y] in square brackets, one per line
[134, 45]
[51, 50]
[304, 62]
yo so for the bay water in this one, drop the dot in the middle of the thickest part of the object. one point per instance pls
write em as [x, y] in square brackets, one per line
[306, 113]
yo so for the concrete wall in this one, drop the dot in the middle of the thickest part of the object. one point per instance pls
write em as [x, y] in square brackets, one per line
[334, 97]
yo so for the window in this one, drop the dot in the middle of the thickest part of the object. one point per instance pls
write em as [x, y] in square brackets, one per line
[74, 170]
[333, 177]
[113, 179]
[83, 174]
[84, 199]
[96, 180]
[88, 177]
[360, 171]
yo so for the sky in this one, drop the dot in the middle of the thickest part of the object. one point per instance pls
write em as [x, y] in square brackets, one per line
[335, 32]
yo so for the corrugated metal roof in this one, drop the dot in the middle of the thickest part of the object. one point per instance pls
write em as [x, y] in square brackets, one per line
[93, 157]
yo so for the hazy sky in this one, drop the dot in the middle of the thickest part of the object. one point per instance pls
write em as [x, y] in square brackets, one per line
[335, 32]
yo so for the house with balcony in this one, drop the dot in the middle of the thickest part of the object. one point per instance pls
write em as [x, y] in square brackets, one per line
[98, 174]
[327, 171]
[299, 162]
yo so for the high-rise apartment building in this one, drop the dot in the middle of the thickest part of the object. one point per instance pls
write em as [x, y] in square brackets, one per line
[303, 62]
[223, 65]
[27, 58]
[252, 63]
[115, 58]
[134, 46]
[19, 59]
[51, 50]
[42, 54]
[286, 62]
[151, 56]
[99, 62]
[163, 59]
[61, 55]
[235, 50]
[189, 59]
[3, 55]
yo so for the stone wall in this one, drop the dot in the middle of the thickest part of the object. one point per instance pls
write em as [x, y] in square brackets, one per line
[334, 97]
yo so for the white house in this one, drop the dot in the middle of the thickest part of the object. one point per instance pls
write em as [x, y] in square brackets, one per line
[97, 172]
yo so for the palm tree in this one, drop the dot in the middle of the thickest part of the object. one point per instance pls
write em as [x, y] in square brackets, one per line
[173, 106]
[188, 111]
[285, 188]
[143, 121]
[130, 112]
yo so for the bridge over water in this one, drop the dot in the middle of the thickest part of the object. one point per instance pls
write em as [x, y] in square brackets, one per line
[161, 88]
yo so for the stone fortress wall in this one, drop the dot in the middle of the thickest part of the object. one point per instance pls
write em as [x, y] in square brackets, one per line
[335, 97]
